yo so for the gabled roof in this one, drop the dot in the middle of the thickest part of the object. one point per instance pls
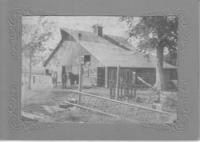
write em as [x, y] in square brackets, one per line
[114, 56]
[105, 38]
[90, 37]
[109, 50]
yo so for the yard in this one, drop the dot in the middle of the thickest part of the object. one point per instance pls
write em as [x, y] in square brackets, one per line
[49, 105]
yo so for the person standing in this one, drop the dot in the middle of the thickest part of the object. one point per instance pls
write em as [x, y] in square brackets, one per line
[64, 78]
[55, 79]
[52, 78]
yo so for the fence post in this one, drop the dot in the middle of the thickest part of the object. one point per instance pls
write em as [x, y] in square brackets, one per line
[80, 82]
[134, 82]
[117, 83]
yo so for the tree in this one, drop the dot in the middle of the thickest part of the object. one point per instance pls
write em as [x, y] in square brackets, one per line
[33, 38]
[155, 32]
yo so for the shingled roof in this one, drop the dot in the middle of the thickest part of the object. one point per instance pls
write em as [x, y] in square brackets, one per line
[108, 49]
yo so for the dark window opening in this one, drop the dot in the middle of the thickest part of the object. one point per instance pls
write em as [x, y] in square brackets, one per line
[47, 72]
[87, 58]
[79, 36]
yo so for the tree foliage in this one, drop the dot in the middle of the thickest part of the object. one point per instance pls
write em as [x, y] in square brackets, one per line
[34, 36]
[154, 31]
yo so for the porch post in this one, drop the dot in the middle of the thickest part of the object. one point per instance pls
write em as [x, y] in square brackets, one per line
[80, 83]
[80, 78]
[106, 77]
[117, 83]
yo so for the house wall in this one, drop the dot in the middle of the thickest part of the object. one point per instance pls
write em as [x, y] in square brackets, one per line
[147, 74]
[90, 70]
[101, 76]
[69, 56]
[65, 56]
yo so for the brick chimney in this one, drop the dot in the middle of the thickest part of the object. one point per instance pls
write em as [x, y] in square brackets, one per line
[98, 30]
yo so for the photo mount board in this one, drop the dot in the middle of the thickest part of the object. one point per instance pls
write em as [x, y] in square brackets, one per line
[14, 128]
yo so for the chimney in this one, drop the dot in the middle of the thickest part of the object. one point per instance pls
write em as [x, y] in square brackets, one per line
[98, 30]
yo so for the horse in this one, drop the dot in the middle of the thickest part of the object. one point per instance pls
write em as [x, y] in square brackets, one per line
[74, 78]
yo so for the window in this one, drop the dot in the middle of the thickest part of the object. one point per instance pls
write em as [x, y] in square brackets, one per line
[79, 36]
[47, 72]
[87, 58]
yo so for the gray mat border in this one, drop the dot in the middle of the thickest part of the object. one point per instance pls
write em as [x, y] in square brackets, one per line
[17, 128]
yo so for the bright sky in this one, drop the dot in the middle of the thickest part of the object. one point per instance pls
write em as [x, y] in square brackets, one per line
[111, 25]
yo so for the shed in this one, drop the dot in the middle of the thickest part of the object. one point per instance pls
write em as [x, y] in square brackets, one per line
[102, 53]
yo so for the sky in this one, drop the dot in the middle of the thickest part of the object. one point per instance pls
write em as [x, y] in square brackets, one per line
[111, 25]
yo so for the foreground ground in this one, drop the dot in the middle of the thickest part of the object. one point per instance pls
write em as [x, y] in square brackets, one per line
[48, 105]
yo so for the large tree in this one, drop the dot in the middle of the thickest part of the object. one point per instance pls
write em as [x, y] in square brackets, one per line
[155, 32]
[33, 38]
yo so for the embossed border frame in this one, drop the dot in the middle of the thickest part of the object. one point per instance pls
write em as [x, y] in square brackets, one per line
[183, 128]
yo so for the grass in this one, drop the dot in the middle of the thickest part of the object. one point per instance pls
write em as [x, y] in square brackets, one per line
[45, 102]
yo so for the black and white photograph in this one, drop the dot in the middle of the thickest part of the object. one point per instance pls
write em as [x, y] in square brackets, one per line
[99, 69]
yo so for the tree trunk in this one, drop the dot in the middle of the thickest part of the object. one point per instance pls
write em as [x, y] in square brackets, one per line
[159, 84]
[30, 71]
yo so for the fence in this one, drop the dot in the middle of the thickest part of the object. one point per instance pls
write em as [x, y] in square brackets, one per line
[137, 107]
[122, 84]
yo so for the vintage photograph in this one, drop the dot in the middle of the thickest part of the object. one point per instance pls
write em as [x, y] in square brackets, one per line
[99, 69]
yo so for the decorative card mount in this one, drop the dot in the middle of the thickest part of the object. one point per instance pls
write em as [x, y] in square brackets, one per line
[15, 127]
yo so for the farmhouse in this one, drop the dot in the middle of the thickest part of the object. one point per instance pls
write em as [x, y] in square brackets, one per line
[102, 54]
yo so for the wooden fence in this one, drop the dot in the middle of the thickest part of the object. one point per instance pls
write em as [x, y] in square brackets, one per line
[122, 84]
